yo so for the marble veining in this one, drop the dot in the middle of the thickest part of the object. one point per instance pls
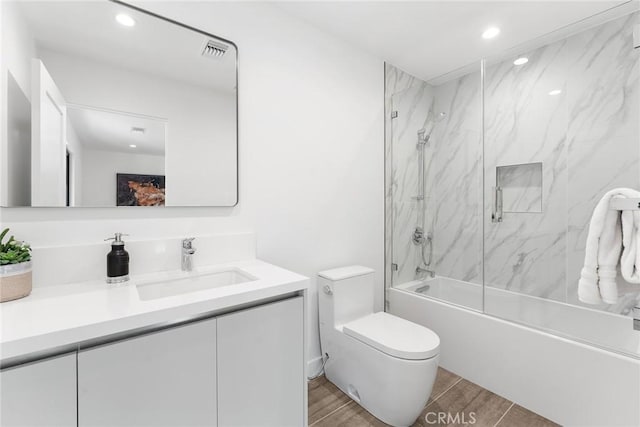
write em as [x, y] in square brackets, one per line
[457, 181]
[587, 139]
[603, 133]
[451, 208]
[413, 106]
[524, 124]
[521, 187]
[578, 144]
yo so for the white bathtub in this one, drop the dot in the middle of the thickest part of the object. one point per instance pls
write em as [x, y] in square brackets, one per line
[465, 294]
[560, 377]
[607, 330]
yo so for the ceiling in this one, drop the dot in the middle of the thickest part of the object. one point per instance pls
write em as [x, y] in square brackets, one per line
[88, 29]
[112, 131]
[432, 38]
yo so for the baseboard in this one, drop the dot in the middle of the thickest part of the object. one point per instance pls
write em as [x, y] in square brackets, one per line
[313, 366]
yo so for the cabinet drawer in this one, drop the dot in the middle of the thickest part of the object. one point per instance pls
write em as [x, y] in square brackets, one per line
[261, 376]
[166, 378]
[39, 394]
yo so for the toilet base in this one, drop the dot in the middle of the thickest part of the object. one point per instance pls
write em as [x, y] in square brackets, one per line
[393, 390]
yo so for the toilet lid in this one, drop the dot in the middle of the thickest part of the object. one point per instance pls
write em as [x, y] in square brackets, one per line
[394, 336]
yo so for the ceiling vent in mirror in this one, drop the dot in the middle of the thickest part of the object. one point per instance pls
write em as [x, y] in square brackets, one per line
[214, 49]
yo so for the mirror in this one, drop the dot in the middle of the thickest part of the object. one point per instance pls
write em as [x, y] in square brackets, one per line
[107, 105]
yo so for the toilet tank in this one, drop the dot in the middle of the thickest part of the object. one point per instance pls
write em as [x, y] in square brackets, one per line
[345, 294]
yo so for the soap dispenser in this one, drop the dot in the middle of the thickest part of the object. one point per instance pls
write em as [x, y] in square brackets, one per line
[117, 260]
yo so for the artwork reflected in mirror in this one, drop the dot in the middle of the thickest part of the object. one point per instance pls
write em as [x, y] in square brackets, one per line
[103, 144]
[140, 190]
[92, 99]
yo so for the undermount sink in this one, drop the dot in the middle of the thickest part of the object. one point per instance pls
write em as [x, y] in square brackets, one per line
[191, 282]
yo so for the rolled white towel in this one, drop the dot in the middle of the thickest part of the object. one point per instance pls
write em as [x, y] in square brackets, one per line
[588, 290]
[630, 259]
[604, 247]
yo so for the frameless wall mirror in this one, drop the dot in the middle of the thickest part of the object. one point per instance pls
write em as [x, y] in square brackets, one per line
[107, 105]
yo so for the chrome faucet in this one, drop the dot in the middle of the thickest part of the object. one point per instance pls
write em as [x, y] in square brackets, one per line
[420, 270]
[187, 253]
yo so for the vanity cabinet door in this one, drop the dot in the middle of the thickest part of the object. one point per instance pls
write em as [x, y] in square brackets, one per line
[40, 393]
[165, 378]
[261, 375]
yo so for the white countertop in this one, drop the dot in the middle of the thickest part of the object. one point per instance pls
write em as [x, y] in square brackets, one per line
[57, 316]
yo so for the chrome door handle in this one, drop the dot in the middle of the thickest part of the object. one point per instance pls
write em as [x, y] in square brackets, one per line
[496, 216]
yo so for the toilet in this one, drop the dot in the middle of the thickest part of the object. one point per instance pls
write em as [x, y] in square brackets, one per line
[386, 364]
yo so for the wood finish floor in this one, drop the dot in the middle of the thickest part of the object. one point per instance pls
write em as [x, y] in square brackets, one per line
[329, 407]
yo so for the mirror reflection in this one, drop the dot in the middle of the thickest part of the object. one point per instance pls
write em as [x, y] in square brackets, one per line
[119, 108]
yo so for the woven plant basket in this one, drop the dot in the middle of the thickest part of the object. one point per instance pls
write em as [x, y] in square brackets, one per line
[15, 281]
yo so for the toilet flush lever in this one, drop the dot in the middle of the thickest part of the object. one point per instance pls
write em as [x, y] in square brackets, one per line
[327, 290]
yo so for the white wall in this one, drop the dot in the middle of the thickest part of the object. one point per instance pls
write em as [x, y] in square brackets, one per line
[18, 128]
[201, 130]
[100, 168]
[311, 153]
[74, 147]
[18, 47]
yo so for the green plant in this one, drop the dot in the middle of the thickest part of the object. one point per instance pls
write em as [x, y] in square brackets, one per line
[13, 252]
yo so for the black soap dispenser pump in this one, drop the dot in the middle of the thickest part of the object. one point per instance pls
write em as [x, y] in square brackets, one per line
[117, 260]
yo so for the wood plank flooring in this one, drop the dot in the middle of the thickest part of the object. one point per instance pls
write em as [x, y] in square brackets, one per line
[451, 394]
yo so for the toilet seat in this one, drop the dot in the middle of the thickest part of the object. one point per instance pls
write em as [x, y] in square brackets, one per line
[394, 336]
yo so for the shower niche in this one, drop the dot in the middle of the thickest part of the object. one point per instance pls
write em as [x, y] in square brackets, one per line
[520, 187]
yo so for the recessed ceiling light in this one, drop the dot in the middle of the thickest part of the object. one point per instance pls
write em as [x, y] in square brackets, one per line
[555, 92]
[521, 61]
[490, 32]
[132, 145]
[126, 20]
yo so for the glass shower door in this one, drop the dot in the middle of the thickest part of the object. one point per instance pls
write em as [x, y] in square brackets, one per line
[410, 191]
[435, 187]
[560, 130]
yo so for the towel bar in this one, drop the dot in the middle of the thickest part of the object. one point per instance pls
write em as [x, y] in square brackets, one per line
[625, 204]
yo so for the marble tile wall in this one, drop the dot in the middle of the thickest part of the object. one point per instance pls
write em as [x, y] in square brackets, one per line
[412, 99]
[451, 210]
[457, 180]
[524, 124]
[521, 187]
[603, 134]
[587, 138]
[409, 211]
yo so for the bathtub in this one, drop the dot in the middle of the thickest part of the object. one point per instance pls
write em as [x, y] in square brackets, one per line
[569, 377]
[465, 294]
[595, 327]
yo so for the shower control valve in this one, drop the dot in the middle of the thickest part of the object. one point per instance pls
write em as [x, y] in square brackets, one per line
[418, 237]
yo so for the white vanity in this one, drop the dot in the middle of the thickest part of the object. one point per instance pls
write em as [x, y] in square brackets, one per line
[92, 125]
[223, 345]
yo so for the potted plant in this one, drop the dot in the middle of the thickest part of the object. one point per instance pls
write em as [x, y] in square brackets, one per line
[15, 268]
